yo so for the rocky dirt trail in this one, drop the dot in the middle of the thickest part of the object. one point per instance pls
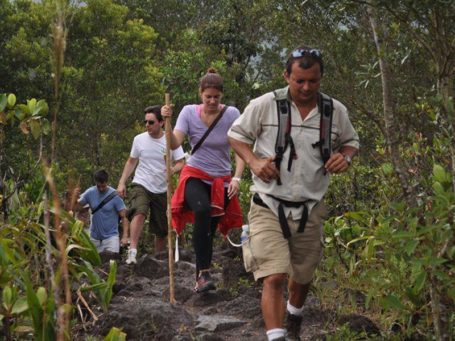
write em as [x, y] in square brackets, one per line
[140, 304]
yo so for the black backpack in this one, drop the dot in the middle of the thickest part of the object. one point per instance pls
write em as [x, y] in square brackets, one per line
[284, 139]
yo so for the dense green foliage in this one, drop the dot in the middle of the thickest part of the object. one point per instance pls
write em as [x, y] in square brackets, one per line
[391, 230]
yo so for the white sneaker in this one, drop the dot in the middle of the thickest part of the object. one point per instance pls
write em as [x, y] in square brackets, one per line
[131, 257]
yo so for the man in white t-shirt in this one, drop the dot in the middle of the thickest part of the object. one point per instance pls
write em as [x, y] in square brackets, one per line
[149, 186]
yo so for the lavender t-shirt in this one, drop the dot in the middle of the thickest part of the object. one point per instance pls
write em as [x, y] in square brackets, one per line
[213, 155]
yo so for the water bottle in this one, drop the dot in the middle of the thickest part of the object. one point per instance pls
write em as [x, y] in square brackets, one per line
[244, 235]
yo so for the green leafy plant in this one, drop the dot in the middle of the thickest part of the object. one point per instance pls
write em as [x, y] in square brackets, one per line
[30, 116]
[27, 303]
[13, 307]
[402, 257]
[103, 288]
[115, 334]
[42, 310]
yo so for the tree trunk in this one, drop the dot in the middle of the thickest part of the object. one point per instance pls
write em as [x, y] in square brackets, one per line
[59, 33]
[391, 128]
[443, 87]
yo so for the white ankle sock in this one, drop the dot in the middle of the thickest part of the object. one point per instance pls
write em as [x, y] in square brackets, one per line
[293, 310]
[273, 334]
[133, 252]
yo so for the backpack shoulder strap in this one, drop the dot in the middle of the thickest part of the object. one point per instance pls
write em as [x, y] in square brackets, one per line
[283, 112]
[284, 127]
[325, 107]
[207, 132]
[104, 202]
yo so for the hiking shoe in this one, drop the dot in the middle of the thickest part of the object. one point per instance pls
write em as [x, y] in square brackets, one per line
[204, 283]
[131, 259]
[293, 323]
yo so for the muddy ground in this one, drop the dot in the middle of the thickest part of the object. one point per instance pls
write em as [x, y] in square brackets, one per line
[140, 304]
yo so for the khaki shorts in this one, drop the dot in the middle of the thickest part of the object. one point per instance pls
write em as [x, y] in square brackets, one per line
[267, 252]
[141, 201]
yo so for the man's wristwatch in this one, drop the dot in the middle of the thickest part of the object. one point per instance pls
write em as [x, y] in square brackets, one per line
[348, 159]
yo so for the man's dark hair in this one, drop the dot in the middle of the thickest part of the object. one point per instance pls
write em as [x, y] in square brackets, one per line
[306, 57]
[100, 176]
[154, 109]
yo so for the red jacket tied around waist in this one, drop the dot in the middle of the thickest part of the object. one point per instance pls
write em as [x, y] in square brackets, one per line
[181, 215]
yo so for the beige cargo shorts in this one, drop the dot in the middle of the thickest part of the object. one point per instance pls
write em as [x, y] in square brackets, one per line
[267, 252]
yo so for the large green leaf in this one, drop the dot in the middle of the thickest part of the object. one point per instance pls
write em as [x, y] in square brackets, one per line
[34, 305]
[87, 268]
[419, 282]
[22, 111]
[7, 297]
[440, 175]
[35, 128]
[89, 251]
[43, 107]
[11, 100]
[31, 104]
[392, 302]
[115, 334]
[41, 294]
[45, 127]
[410, 246]
[110, 284]
[20, 306]
[438, 188]
[3, 102]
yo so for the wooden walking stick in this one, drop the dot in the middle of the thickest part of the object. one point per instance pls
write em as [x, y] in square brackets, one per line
[167, 126]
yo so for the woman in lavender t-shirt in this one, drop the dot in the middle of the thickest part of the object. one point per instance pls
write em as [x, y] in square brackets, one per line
[206, 194]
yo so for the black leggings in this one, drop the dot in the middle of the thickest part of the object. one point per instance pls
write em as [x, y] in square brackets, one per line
[197, 199]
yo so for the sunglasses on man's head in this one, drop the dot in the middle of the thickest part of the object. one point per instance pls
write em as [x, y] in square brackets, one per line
[299, 53]
[150, 122]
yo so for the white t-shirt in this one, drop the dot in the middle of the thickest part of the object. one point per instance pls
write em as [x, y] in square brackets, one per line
[151, 169]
